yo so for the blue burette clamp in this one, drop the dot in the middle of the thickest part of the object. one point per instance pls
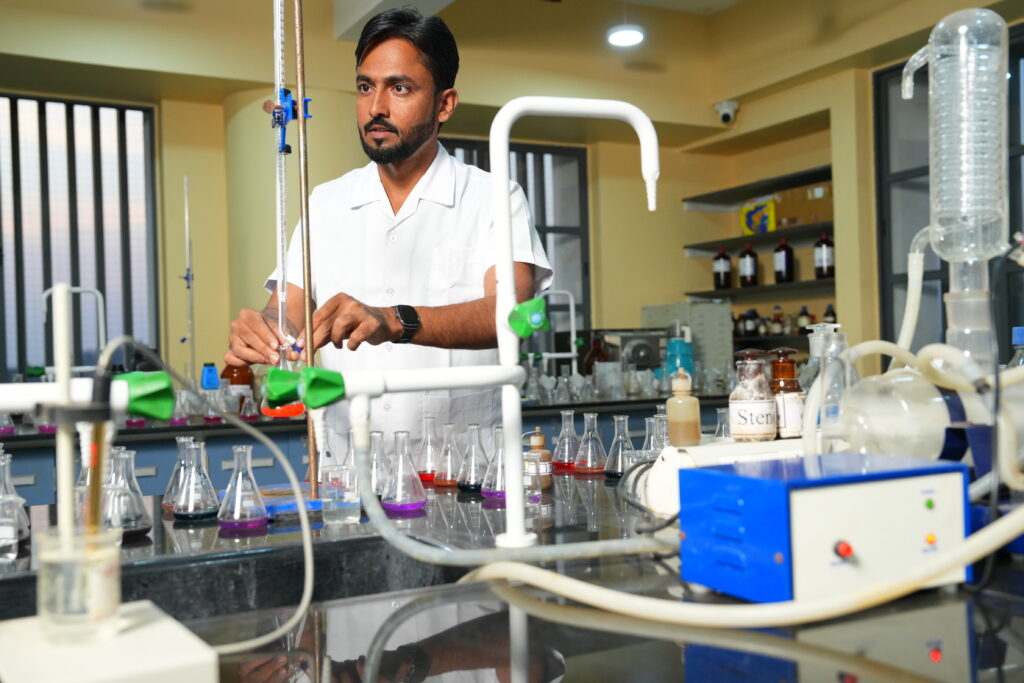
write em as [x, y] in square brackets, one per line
[288, 111]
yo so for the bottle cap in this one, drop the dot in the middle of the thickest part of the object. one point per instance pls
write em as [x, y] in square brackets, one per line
[682, 382]
[783, 242]
[824, 235]
[721, 250]
[537, 439]
[747, 246]
[1017, 337]
[750, 354]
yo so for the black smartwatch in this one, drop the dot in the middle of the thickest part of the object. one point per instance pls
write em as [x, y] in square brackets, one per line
[410, 322]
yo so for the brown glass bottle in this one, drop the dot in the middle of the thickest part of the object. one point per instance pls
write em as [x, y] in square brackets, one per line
[785, 267]
[240, 380]
[748, 266]
[824, 258]
[721, 267]
[789, 404]
[595, 354]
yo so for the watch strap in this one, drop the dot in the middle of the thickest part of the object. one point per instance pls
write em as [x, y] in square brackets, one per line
[410, 321]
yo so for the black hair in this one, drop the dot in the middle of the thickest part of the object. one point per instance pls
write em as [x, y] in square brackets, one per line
[430, 35]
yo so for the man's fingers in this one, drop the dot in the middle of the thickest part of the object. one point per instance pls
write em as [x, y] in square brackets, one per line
[253, 339]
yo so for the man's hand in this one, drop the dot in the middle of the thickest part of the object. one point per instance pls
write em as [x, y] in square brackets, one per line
[343, 318]
[254, 339]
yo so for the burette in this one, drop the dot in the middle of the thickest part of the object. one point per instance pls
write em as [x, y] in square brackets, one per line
[189, 278]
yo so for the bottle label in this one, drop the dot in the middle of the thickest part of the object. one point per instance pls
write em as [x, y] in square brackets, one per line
[780, 262]
[824, 256]
[790, 409]
[748, 265]
[721, 266]
[752, 418]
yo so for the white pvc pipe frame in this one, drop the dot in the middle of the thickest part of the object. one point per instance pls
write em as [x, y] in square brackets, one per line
[101, 319]
[572, 353]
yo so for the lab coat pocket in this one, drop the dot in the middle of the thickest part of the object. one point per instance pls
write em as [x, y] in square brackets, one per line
[456, 275]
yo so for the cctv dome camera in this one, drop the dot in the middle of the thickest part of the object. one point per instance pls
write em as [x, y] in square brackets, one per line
[727, 110]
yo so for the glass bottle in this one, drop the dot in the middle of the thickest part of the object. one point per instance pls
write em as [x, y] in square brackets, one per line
[197, 499]
[620, 453]
[239, 387]
[829, 315]
[778, 321]
[1017, 341]
[819, 332]
[721, 267]
[379, 470]
[181, 411]
[292, 409]
[803, 318]
[7, 489]
[591, 456]
[785, 266]
[751, 403]
[540, 461]
[748, 266]
[242, 508]
[123, 505]
[568, 444]
[474, 464]
[494, 478]
[750, 323]
[173, 489]
[404, 491]
[824, 258]
[450, 460]
[789, 402]
[683, 412]
[428, 455]
[595, 354]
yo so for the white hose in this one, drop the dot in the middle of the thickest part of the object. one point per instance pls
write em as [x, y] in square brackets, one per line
[915, 281]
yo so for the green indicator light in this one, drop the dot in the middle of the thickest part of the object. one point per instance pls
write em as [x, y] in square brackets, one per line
[929, 503]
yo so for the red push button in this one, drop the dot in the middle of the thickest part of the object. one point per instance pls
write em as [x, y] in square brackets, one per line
[843, 549]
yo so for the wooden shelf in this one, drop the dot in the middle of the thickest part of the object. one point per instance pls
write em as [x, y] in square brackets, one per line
[767, 292]
[732, 199]
[800, 236]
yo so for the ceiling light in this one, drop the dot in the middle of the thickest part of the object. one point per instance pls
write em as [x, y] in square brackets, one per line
[626, 35]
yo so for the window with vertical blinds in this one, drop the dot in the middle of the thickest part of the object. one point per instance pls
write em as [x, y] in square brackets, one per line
[76, 205]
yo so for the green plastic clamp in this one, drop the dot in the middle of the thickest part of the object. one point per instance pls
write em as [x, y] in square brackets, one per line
[282, 387]
[320, 387]
[528, 317]
[579, 342]
[150, 394]
[35, 371]
[530, 356]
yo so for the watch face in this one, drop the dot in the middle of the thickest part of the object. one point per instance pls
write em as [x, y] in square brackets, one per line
[407, 315]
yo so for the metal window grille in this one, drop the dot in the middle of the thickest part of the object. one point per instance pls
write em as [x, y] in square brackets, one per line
[77, 205]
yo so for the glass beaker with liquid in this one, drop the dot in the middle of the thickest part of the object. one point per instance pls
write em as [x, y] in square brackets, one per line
[340, 495]
[7, 489]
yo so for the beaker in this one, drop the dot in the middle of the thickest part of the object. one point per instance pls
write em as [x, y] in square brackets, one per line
[493, 485]
[591, 456]
[474, 464]
[123, 506]
[7, 489]
[722, 427]
[379, 470]
[620, 453]
[181, 411]
[174, 483]
[404, 491]
[11, 509]
[450, 460]
[197, 499]
[340, 494]
[564, 457]
[428, 453]
[242, 507]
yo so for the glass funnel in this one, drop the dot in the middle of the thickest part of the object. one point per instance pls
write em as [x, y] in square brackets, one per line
[494, 478]
[181, 408]
[474, 464]
[450, 459]
[379, 470]
[620, 453]
[428, 454]
[123, 505]
[197, 499]
[174, 483]
[404, 491]
[7, 489]
[242, 507]
[591, 457]
[292, 409]
[568, 444]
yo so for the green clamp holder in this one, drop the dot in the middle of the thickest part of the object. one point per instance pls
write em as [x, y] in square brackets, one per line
[150, 394]
[530, 356]
[320, 387]
[35, 371]
[528, 317]
[282, 387]
[579, 342]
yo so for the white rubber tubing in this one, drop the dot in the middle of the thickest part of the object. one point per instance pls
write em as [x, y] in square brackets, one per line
[915, 280]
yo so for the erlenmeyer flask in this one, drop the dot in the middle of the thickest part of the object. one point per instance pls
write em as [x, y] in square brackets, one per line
[494, 479]
[173, 489]
[132, 421]
[242, 507]
[428, 454]
[564, 457]
[450, 460]
[620, 453]
[562, 393]
[249, 413]
[379, 470]
[123, 505]
[650, 434]
[7, 489]
[474, 465]
[6, 424]
[591, 456]
[404, 490]
[181, 408]
[197, 499]
[291, 409]
[212, 403]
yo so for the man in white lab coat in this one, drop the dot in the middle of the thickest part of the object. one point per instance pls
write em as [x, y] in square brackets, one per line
[403, 248]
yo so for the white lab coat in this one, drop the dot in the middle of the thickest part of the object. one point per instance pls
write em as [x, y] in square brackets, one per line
[434, 252]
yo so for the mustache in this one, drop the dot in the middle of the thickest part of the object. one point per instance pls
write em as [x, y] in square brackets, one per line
[381, 122]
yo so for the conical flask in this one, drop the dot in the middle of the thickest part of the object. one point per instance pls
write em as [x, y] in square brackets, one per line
[404, 491]
[7, 488]
[242, 507]
[123, 505]
[591, 456]
[564, 457]
[650, 432]
[474, 464]
[292, 409]
[379, 470]
[197, 499]
[494, 479]
[450, 459]
[6, 424]
[249, 412]
[181, 408]
[428, 453]
[620, 453]
[173, 489]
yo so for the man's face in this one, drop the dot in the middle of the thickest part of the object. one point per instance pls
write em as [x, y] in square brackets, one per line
[396, 106]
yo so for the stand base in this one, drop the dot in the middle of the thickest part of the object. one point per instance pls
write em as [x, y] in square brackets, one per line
[149, 646]
[507, 541]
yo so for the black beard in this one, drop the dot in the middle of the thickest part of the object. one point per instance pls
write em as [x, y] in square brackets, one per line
[407, 144]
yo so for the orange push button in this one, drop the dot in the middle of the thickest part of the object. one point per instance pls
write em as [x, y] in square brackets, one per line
[930, 539]
[843, 549]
